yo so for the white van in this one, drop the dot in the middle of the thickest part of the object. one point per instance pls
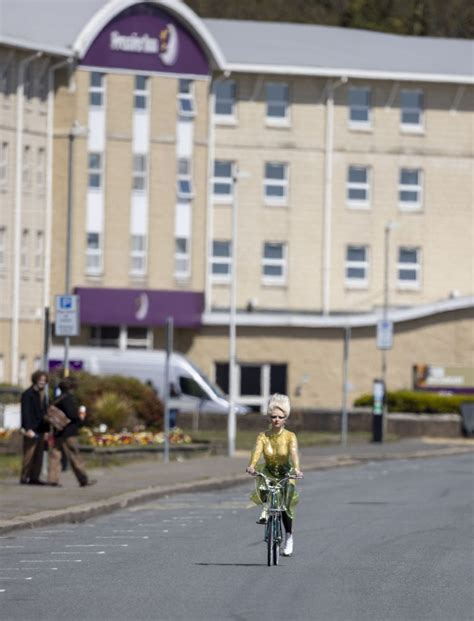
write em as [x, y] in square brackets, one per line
[196, 392]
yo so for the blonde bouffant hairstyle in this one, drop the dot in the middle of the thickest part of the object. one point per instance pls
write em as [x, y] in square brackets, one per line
[278, 402]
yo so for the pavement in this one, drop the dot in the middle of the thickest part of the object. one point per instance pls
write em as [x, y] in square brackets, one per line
[24, 506]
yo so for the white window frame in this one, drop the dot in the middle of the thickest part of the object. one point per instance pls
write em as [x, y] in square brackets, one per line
[186, 94]
[182, 258]
[230, 118]
[39, 253]
[138, 255]
[410, 205]
[357, 283]
[141, 92]
[284, 119]
[139, 173]
[358, 185]
[3, 249]
[41, 169]
[221, 260]
[270, 262]
[4, 153]
[26, 172]
[225, 199]
[414, 128]
[95, 170]
[357, 124]
[276, 183]
[97, 90]
[184, 180]
[94, 254]
[409, 284]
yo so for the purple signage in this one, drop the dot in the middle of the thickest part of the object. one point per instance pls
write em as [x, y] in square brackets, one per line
[74, 365]
[140, 307]
[145, 38]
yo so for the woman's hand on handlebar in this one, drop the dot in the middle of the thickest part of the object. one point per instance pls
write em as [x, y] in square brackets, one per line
[250, 470]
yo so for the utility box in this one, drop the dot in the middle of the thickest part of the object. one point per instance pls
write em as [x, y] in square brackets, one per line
[378, 392]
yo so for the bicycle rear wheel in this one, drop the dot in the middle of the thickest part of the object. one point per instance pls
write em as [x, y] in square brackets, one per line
[270, 540]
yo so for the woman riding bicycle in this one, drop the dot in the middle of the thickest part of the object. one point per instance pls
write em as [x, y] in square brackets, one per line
[280, 451]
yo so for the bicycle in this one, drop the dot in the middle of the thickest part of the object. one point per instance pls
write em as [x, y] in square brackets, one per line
[275, 506]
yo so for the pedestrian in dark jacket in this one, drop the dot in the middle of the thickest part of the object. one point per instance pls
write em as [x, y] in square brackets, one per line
[33, 408]
[66, 440]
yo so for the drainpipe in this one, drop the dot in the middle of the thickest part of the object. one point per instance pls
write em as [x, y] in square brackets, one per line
[20, 92]
[49, 185]
[328, 168]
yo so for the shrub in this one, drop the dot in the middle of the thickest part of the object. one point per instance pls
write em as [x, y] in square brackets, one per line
[142, 402]
[113, 410]
[418, 402]
[10, 393]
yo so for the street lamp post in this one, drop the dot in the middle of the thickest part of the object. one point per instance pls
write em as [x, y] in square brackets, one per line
[75, 131]
[231, 420]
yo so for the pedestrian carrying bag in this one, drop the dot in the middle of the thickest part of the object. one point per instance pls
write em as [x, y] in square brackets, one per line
[56, 417]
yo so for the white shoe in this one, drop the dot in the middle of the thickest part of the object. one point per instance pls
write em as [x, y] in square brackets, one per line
[288, 548]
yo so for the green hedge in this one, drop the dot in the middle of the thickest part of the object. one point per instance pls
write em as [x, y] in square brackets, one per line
[418, 402]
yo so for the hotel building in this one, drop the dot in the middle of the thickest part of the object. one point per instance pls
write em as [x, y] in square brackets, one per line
[133, 133]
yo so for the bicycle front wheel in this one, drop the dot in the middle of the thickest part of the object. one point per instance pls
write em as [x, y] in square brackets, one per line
[270, 540]
[276, 540]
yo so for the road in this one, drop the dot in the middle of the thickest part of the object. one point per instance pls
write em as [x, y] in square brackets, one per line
[383, 541]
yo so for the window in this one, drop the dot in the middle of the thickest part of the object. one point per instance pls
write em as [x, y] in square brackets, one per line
[28, 83]
[104, 336]
[191, 388]
[95, 171]
[409, 268]
[274, 263]
[138, 255]
[276, 183]
[357, 266]
[186, 105]
[139, 173]
[93, 254]
[139, 337]
[25, 241]
[6, 79]
[359, 108]
[410, 188]
[358, 187]
[184, 182]
[223, 183]
[181, 257]
[26, 167]
[3, 165]
[411, 110]
[40, 170]
[39, 252]
[277, 102]
[224, 106]
[255, 382]
[96, 89]
[221, 261]
[3, 248]
[140, 93]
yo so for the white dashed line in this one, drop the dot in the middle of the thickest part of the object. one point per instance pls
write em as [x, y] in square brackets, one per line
[15, 578]
[120, 537]
[97, 545]
[84, 552]
[56, 560]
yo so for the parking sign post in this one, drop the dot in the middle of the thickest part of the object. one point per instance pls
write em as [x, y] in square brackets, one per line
[67, 322]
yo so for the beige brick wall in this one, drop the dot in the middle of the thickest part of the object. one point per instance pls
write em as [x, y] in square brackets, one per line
[445, 339]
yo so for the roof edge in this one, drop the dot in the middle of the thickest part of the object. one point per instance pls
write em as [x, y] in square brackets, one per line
[35, 47]
[348, 73]
[299, 320]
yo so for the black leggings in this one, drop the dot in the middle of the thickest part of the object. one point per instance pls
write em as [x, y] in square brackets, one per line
[287, 522]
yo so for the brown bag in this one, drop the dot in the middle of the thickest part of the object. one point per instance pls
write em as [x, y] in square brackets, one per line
[56, 417]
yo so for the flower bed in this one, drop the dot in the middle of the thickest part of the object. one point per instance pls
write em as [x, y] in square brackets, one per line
[92, 438]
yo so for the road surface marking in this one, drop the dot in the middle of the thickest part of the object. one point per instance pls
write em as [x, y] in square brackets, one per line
[56, 560]
[97, 545]
[120, 537]
[84, 552]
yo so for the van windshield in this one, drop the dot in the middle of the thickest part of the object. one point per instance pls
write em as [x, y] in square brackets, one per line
[190, 387]
[211, 385]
